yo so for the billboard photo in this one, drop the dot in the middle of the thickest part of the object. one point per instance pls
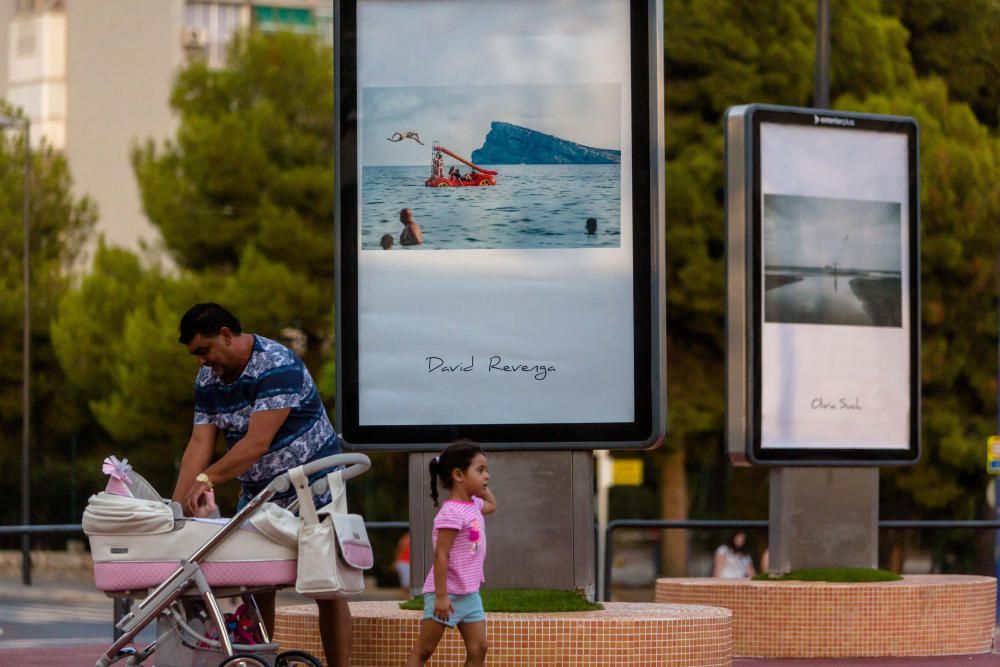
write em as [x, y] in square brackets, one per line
[547, 158]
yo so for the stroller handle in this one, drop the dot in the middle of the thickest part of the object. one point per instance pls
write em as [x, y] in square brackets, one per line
[355, 465]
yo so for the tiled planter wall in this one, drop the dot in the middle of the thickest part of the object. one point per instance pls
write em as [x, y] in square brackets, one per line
[920, 615]
[622, 635]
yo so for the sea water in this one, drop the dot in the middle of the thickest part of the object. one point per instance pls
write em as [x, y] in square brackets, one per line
[871, 299]
[531, 206]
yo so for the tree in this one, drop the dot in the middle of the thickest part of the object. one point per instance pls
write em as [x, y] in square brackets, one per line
[957, 40]
[60, 225]
[720, 53]
[960, 206]
[247, 186]
[243, 197]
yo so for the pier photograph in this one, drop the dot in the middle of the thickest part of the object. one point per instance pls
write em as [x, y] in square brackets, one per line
[832, 261]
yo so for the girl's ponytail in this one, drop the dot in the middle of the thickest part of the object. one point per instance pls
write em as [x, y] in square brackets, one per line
[458, 455]
[432, 467]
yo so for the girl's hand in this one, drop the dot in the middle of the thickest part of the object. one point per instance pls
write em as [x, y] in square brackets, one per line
[443, 608]
[489, 502]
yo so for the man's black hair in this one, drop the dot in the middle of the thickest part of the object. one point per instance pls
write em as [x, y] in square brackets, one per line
[207, 319]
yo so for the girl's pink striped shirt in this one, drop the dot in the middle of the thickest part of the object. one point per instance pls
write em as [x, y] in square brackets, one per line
[468, 551]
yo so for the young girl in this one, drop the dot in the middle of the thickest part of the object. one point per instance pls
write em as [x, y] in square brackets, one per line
[451, 590]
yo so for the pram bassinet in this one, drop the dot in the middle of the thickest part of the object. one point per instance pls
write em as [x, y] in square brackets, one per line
[136, 543]
[141, 541]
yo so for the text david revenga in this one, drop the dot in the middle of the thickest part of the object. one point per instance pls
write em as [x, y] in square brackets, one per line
[496, 364]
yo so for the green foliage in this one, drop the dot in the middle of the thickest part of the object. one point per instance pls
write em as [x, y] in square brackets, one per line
[834, 574]
[60, 225]
[524, 601]
[116, 336]
[959, 41]
[247, 185]
[960, 206]
[723, 52]
[243, 197]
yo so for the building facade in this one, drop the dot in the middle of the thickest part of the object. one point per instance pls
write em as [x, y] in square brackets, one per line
[94, 78]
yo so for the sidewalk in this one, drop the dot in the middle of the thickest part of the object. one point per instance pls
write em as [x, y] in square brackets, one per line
[52, 652]
[85, 656]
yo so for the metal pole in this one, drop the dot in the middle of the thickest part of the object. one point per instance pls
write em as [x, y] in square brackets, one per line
[26, 363]
[821, 78]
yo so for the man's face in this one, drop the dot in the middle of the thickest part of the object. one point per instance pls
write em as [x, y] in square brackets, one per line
[213, 351]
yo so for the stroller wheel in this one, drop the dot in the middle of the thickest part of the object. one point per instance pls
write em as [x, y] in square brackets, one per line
[245, 660]
[296, 659]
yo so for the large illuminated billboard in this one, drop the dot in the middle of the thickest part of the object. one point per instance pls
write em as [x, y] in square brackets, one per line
[823, 287]
[499, 223]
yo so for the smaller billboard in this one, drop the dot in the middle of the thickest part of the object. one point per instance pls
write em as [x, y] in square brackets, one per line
[823, 287]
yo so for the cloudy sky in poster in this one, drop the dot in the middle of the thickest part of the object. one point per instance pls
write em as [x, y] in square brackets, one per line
[459, 117]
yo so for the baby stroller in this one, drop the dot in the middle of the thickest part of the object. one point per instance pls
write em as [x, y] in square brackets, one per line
[136, 537]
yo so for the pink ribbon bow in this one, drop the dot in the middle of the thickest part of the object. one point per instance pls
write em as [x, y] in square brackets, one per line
[118, 470]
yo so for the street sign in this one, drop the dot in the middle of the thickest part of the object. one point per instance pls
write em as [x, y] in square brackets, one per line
[627, 472]
[993, 454]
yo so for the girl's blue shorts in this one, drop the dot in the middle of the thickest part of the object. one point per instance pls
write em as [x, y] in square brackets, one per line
[468, 609]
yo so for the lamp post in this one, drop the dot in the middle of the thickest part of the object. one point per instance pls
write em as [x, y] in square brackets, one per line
[821, 74]
[25, 125]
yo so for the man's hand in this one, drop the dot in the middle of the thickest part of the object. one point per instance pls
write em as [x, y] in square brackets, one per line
[198, 500]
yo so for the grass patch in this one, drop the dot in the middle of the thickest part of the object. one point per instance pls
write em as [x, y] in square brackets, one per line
[524, 600]
[834, 574]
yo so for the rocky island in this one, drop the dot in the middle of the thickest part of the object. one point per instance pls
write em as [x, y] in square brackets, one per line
[513, 144]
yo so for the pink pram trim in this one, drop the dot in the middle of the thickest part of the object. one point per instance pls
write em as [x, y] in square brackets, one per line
[358, 555]
[130, 575]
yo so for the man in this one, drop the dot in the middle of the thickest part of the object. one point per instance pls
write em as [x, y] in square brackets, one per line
[399, 136]
[261, 396]
[411, 234]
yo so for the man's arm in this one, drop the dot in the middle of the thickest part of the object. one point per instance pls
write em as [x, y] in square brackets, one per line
[263, 426]
[197, 456]
[246, 452]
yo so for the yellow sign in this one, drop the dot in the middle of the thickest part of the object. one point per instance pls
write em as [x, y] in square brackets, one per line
[993, 454]
[627, 472]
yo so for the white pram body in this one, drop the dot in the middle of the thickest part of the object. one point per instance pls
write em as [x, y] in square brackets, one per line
[135, 544]
[142, 547]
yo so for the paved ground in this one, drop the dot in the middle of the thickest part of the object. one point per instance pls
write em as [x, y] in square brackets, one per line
[84, 656]
[68, 624]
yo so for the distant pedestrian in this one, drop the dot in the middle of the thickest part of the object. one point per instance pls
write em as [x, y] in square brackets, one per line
[731, 561]
[591, 226]
[402, 562]
[386, 242]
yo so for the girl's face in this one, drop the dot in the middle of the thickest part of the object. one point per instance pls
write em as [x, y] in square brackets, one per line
[476, 477]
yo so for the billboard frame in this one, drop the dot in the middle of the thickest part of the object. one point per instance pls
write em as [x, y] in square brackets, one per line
[744, 308]
[648, 427]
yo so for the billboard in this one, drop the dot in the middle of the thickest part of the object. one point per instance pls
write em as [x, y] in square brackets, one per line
[823, 317]
[499, 223]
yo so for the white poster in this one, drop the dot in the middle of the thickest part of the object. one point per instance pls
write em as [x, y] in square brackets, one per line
[835, 337]
[497, 135]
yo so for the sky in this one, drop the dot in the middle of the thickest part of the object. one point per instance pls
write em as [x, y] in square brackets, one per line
[459, 117]
[817, 232]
